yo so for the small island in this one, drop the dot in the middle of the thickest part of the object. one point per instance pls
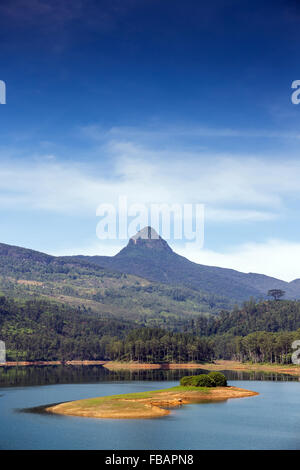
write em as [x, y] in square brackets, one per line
[192, 389]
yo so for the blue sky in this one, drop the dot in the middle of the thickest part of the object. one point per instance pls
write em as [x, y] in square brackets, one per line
[167, 102]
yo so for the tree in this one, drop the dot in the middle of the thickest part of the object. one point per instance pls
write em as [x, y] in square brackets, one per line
[276, 293]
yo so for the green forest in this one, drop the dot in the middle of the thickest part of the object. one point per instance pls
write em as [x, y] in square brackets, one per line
[43, 330]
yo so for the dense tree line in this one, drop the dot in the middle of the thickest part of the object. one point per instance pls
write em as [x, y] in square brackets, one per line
[269, 316]
[43, 330]
[153, 345]
[257, 347]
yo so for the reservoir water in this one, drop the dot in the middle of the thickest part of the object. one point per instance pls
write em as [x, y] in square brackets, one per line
[270, 420]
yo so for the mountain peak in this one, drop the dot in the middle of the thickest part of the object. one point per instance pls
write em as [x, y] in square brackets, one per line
[147, 237]
[147, 233]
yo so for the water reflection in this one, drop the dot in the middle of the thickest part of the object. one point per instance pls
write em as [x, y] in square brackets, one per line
[62, 374]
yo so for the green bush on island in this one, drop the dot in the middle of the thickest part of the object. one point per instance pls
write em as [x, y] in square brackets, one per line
[213, 379]
[218, 378]
[187, 380]
[203, 381]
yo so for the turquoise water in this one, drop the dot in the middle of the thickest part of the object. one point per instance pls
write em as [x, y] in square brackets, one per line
[268, 421]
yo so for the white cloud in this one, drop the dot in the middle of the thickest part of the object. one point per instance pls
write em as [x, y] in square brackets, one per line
[276, 258]
[236, 215]
[240, 188]
[91, 248]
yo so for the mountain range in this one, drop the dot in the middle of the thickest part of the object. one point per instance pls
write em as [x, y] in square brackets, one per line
[149, 256]
[146, 279]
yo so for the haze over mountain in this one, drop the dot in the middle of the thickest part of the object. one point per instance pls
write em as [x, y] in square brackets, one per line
[149, 256]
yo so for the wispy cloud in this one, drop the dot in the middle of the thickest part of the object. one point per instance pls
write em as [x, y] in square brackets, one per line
[233, 188]
[99, 133]
[274, 258]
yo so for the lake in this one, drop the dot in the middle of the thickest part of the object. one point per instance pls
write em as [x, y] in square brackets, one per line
[270, 420]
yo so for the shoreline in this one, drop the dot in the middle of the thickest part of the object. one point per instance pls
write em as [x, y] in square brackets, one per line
[51, 363]
[217, 365]
[145, 405]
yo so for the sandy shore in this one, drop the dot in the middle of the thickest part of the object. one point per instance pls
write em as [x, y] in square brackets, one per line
[217, 365]
[51, 363]
[292, 369]
[147, 404]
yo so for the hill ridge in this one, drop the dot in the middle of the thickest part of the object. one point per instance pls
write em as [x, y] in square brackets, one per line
[150, 257]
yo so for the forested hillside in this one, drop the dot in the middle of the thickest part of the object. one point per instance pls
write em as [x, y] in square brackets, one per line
[26, 273]
[43, 330]
[269, 316]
